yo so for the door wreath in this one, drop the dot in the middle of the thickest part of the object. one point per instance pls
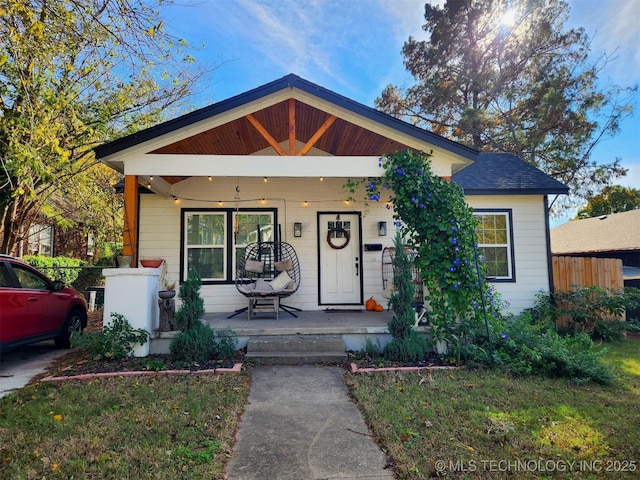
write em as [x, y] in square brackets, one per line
[344, 232]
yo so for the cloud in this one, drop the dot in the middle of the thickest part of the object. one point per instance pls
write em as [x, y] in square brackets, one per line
[614, 29]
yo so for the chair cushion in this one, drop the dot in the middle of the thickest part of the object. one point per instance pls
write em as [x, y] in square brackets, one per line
[281, 281]
[254, 266]
[247, 288]
[262, 286]
[284, 265]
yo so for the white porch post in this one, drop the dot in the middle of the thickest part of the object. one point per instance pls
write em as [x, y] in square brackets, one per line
[133, 293]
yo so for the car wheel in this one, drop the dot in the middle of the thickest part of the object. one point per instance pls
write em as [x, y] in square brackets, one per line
[73, 323]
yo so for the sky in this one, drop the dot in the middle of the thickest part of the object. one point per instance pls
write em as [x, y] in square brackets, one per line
[353, 47]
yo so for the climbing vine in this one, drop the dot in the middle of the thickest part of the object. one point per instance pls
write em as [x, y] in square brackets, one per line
[435, 218]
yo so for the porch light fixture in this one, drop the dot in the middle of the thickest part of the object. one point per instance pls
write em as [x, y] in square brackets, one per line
[382, 229]
[297, 229]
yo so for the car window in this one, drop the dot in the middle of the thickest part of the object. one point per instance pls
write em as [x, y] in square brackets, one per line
[5, 278]
[28, 279]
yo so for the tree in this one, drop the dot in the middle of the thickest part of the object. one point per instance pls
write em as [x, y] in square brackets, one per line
[73, 74]
[528, 88]
[612, 199]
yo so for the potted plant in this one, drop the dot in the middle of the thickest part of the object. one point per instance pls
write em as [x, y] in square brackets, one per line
[169, 291]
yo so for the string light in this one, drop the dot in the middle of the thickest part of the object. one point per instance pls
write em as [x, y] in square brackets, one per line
[210, 178]
[220, 203]
[151, 178]
[322, 179]
[305, 204]
[175, 199]
[265, 180]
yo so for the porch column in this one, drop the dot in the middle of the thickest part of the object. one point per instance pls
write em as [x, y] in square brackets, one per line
[130, 235]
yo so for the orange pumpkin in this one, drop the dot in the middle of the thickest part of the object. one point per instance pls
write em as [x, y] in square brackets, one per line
[378, 308]
[370, 304]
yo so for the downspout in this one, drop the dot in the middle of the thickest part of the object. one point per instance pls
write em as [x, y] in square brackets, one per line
[548, 240]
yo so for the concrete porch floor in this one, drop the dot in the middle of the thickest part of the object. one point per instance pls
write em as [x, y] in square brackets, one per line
[307, 323]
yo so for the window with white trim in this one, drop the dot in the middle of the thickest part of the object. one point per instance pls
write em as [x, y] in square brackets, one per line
[495, 243]
[214, 239]
[40, 240]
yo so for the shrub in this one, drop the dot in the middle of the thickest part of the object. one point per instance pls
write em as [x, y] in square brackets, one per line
[64, 269]
[407, 345]
[114, 342]
[197, 341]
[526, 348]
[410, 348]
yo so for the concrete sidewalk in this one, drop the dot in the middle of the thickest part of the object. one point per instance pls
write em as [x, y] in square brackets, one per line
[301, 425]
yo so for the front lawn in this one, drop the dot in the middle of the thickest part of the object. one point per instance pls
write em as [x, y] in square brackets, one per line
[136, 427]
[484, 424]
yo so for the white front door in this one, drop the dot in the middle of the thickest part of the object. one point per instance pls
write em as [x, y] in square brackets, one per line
[340, 255]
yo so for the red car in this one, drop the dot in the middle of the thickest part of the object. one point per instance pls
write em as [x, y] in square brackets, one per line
[34, 308]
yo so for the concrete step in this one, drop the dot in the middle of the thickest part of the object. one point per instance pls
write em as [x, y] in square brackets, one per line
[296, 349]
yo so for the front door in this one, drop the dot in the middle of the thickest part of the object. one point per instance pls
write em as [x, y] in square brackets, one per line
[340, 258]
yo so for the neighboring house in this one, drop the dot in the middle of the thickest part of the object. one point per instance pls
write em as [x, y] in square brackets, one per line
[609, 236]
[50, 240]
[276, 158]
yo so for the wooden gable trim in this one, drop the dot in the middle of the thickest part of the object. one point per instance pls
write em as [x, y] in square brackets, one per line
[316, 136]
[292, 126]
[266, 135]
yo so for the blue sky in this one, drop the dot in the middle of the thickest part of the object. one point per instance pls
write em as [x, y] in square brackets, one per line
[353, 48]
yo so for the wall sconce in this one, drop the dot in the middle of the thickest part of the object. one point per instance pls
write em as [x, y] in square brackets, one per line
[297, 229]
[382, 229]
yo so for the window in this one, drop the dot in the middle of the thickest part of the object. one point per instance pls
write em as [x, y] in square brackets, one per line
[40, 239]
[495, 243]
[214, 239]
[29, 280]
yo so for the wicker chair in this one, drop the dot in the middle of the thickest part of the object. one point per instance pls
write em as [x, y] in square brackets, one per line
[265, 274]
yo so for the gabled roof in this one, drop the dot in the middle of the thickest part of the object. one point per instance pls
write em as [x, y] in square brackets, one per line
[329, 123]
[615, 232]
[290, 81]
[505, 173]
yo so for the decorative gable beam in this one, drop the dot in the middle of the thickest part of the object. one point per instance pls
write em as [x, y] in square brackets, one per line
[316, 136]
[292, 126]
[266, 135]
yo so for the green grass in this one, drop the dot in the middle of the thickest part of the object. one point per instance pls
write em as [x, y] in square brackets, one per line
[142, 428]
[480, 423]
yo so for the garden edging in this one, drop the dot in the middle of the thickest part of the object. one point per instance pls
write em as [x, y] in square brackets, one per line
[236, 369]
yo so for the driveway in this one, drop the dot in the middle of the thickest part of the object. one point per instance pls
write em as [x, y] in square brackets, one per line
[18, 367]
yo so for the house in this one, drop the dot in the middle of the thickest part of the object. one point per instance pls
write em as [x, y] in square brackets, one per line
[609, 236]
[271, 164]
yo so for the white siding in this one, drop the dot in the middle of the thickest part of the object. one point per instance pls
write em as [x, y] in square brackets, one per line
[160, 228]
[160, 233]
[530, 247]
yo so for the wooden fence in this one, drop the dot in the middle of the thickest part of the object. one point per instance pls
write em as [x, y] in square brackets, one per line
[569, 272]
[572, 272]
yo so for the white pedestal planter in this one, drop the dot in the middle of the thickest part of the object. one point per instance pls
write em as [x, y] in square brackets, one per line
[133, 293]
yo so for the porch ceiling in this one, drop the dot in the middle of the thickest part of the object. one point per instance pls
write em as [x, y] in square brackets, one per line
[240, 137]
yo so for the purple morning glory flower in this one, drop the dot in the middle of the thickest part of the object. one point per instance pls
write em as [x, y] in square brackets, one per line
[504, 334]
[454, 241]
[452, 269]
[456, 262]
[399, 171]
